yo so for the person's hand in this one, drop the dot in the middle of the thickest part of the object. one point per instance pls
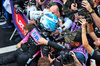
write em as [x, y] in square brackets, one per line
[86, 5]
[18, 45]
[97, 42]
[51, 60]
[92, 64]
[77, 63]
[60, 23]
[73, 55]
[51, 34]
[83, 22]
[32, 21]
[42, 41]
[37, 1]
[64, 1]
[74, 6]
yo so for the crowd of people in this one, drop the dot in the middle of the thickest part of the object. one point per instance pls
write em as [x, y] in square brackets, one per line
[78, 22]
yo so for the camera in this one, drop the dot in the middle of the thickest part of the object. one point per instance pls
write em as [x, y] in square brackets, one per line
[86, 16]
[65, 57]
[31, 7]
[20, 10]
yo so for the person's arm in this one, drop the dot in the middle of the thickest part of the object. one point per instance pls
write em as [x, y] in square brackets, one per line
[19, 44]
[96, 19]
[23, 41]
[55, 45]
[84, 38]
[62, 26]
[94, 15]
[91, 32]
[56, 32]
[94, 53]
[77, 63]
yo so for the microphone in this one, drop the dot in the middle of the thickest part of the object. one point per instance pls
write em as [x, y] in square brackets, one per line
[75, 11]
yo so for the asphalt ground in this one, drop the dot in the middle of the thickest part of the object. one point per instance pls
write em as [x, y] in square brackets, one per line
[6, 46]
[5, 34]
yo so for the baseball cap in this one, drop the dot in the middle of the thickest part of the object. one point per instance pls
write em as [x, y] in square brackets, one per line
[51, 3]
[73, 36]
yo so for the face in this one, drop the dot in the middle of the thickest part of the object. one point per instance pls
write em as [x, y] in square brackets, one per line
[75, 44]
[79, 17]
[97, 42]
[53, 11]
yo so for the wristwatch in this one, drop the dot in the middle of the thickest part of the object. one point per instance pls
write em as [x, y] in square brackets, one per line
[91, 11]
[63, 27]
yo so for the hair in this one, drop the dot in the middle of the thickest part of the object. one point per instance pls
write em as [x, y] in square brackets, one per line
[44, 61]
[51, 3]
[28, 26]
[70, 64]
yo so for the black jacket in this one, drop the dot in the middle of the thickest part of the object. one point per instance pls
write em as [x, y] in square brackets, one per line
[96, 56]
[18, 57]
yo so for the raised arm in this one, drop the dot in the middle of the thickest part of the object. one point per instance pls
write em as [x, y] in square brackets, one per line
[94, 53]
[84, 37]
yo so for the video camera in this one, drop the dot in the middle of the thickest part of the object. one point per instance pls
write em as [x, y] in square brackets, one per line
[35, 14]
[31, 5]
[31, 12]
